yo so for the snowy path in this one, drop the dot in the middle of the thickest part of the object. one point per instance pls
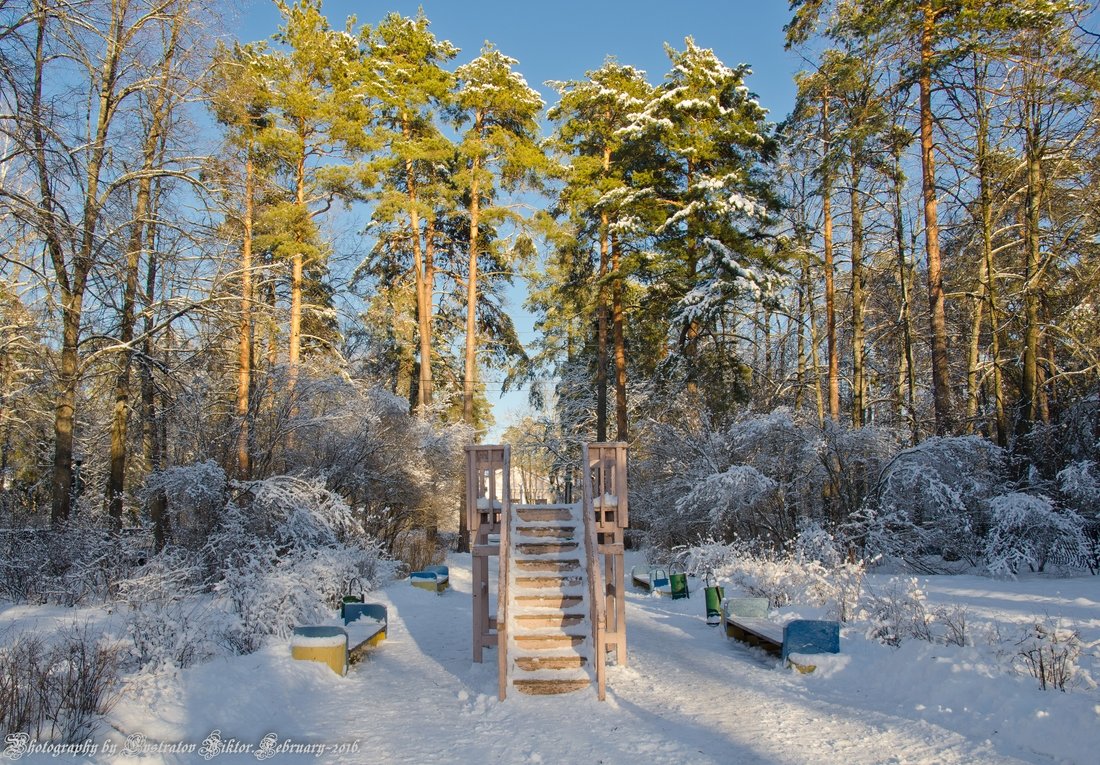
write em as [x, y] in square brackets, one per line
[687, 696]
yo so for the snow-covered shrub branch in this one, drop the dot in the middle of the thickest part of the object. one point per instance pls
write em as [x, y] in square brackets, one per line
[56, 689]
[932, 500]
[810, 571]
[1027, 531]
[1051, 653]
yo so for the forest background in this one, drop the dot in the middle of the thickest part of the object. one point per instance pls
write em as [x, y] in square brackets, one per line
[874, 317]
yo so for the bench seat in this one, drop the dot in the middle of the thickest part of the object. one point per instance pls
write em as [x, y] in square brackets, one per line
[745, 619]
[366, 625]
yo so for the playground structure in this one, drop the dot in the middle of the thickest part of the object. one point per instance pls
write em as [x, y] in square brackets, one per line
[557, 608]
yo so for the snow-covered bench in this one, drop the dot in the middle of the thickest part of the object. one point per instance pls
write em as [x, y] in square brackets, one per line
[435, 578]
[658, 579]
[796, 642]
[366, 625]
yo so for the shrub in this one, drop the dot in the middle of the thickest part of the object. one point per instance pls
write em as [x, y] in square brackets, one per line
[56, 689]
[1028, 531]
[80, 562]
[932, 499]
[1051, 654]
[898, 612]
[171, 621]
[809, 571]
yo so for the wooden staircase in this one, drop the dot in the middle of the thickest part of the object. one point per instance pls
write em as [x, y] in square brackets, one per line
[549, 633]
[559, 612]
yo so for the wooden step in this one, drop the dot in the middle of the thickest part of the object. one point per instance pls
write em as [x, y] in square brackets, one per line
[545, 548]
[535, 663]
[548, 687]
[548, 620]
[535, 642]
[548, 601]
[560, 566]
[554, 532]
[533, 515]
[546, 582]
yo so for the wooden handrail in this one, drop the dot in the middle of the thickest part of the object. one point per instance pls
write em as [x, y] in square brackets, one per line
[597, 607]
[504, 564]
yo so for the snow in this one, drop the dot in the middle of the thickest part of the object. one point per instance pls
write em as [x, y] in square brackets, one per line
[688, 695]
[325, 641]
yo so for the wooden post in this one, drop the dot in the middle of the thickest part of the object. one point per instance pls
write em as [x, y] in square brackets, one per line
[487, 500]
[606, 468]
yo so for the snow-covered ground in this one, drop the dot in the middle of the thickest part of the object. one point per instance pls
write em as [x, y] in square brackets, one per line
[688, 695]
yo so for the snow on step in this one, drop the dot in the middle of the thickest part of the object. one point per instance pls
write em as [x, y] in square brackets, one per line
[548, 640]
[542, 533]
[561, 565]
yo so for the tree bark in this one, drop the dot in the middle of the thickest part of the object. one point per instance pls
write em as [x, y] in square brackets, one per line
[1031, 379]
[424, 288]
[859, 386]
[297, 266]
[470, 375]
[619, 340]
[832, 350]
[244, 342]
[941, 379]
[601, 316]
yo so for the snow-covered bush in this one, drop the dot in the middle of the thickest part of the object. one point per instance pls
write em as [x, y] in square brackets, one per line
[400, 472]
[809, 571]
[196, 494]
[897, 612]
[1079, 486]
[1079, 483]
[271, 570]
[171, 619]
[738, 498]
[299, 512]
[270, 594]
[1051, 654]
[931, 500]
[56, 689]
[80, 562]
[1027, 531]
[759, 478]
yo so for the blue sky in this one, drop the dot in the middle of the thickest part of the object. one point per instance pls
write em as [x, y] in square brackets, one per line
[562, 39]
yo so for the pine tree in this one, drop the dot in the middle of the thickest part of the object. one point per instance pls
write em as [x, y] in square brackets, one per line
[411, 157]
[604, 206]
[500, 150]
[711, 145]
[241, 102]
[320, 103]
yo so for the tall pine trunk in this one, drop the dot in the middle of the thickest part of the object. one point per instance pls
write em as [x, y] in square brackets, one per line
[937, 317]
[859, 383]
[619, 340]
[244, 342]
[831, 348]
[424, 287]
[296, 270]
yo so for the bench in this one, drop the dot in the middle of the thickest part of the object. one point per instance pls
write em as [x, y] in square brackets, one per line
[434, 578]
[321, 642]
[658, 579]
[366, 625]
[796, 642]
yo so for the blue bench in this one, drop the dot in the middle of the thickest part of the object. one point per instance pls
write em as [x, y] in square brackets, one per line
[746, 620]
[366, 625]
[435, 578]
